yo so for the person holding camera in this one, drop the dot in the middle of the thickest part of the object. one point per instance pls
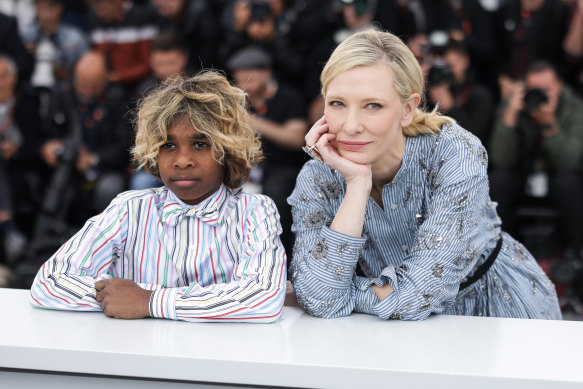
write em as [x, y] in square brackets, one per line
[451, 86]
[276, 112]
[19, 151]
[86, 129]
[263, 24]
[194, 23]
[537, 149]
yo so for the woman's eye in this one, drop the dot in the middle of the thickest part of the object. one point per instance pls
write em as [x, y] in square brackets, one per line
[374, 105]
[336, 104]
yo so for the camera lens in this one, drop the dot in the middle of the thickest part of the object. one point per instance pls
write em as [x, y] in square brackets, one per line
[534, 98]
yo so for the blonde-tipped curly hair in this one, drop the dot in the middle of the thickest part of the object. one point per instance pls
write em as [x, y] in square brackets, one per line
[371, 46]
[214, 107]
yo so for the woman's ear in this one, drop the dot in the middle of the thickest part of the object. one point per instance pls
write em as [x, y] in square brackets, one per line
[410, 106]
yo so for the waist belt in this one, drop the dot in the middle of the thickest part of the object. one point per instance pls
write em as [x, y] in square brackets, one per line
[484, 267]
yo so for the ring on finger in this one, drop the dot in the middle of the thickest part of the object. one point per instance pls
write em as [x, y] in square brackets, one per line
[313, 152]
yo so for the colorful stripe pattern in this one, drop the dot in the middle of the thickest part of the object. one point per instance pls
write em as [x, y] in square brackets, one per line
[221, 260]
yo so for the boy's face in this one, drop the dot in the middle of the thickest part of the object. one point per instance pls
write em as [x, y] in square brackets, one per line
[186, 164]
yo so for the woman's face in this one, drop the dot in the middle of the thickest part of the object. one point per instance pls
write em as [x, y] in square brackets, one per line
[364, 110]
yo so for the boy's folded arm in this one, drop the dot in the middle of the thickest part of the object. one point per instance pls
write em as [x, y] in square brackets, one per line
[67, 280]
[257, 288]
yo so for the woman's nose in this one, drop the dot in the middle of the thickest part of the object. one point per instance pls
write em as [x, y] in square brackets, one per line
[353, 122]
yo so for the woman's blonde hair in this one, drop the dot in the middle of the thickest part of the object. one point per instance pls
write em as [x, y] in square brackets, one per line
[214, 107]
[369, 47]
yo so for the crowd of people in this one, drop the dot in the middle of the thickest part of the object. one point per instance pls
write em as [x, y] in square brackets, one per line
[72, 73]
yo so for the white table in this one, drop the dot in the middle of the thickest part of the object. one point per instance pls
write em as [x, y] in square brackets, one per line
[41, 348]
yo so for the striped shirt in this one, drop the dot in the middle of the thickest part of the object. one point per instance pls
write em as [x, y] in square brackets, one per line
[436, 226]
[220, 260]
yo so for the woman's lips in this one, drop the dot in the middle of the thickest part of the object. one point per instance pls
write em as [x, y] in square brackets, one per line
[353, 145]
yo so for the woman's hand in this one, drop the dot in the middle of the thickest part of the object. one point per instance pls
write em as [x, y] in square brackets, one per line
[351, 171]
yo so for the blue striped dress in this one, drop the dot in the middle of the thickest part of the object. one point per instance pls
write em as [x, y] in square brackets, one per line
[436, 226]
[220, 260]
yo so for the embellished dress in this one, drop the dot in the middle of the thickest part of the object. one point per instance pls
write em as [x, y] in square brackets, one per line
[436, 227]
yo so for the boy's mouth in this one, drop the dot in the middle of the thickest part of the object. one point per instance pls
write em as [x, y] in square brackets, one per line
[184, 181]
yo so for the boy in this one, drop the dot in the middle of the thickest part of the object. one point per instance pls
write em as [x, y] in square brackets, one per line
[196, 249]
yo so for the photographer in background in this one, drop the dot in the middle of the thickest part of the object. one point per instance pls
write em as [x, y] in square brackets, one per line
[276, 113]
[99, 154]
[452, 86]
[194, 24]
[266, 25]
[537, 149]
[19, 156]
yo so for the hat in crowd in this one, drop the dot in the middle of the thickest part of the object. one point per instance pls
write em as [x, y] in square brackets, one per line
[249, 58]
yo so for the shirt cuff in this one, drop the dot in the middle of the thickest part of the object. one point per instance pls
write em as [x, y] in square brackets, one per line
[335, 256]
[364, 297]
[163, 303]
[387, 308]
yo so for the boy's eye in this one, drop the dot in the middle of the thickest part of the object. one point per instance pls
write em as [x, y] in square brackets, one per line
[201, 145]
[167, 146]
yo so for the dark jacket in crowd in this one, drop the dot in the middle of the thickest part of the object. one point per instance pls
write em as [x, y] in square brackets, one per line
[525, 37]
[518, 147]
[11, 45]
[104, 125]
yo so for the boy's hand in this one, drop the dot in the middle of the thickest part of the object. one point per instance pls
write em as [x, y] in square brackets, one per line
[123, 299]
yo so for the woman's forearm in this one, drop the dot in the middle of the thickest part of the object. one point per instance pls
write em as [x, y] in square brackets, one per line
[350, 216]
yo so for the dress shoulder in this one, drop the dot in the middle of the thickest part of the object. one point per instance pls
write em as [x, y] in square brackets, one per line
[456, 149]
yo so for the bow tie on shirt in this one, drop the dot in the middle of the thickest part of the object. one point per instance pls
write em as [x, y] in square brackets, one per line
[209, 211]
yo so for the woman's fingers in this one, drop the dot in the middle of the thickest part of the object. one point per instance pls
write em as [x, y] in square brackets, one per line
[319, 128]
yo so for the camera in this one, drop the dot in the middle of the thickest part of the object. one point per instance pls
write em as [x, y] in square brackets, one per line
[67, 153]
[534, 98]
[439, 73]
[260, 10]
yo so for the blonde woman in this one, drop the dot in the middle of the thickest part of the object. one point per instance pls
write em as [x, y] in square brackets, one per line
[396, 220]
[196, 249]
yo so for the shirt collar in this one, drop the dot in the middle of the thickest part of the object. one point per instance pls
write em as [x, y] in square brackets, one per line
[210, 211]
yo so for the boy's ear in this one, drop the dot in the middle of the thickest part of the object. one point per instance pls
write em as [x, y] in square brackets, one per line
[409, 108]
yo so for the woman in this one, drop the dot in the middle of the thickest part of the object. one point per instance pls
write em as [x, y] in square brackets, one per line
[396, 220]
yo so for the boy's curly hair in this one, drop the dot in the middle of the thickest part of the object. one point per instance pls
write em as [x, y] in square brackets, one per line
[215, 108]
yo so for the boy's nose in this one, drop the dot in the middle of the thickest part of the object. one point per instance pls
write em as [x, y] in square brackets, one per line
[183, 160]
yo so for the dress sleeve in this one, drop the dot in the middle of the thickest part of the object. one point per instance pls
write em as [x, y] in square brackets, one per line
[67, 280]
[452, 232]
[256, 291]
[323, 264]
